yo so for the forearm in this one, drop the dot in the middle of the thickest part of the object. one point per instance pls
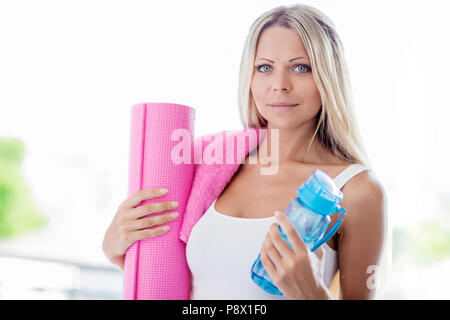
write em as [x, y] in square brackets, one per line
[119, 262]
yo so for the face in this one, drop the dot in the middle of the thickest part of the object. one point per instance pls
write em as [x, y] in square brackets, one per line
[283, 80]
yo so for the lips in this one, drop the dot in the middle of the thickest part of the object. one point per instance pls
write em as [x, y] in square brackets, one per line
[283, 105]
[284, 108]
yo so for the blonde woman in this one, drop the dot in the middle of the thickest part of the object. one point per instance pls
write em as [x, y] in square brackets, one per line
[293, 80]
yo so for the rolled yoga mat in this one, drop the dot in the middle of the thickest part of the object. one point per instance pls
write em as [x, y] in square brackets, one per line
[156, 268]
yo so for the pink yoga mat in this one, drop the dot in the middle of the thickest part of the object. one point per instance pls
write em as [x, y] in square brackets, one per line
[156, 268]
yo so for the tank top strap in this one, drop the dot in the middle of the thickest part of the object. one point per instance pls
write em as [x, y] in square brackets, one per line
[348, 173]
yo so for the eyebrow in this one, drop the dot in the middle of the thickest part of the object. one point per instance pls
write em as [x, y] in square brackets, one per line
[289, 60]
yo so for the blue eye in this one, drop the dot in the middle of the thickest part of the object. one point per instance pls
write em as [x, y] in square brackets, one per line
[304, 67]
[264, 65]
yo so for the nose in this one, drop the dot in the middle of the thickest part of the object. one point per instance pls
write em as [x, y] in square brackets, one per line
[282, 83]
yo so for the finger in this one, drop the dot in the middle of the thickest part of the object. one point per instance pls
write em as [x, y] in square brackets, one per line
[272, 252]
[279, 243]
[152, 221]
[142, 195]
[267, 263]
[148, 233]
[297, 243]
[320, 253]
[151, 208]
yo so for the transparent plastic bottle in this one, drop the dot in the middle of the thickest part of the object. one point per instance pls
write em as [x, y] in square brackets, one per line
[309, 213]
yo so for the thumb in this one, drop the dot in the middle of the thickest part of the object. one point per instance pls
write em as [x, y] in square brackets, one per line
[319, 252]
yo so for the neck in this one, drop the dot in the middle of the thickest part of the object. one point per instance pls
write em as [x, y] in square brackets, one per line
[283, 145]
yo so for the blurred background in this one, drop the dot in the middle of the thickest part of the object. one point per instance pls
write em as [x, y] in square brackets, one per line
[71, 70]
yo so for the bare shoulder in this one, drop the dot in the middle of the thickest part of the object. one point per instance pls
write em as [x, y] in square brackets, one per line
[364, 189]
[365, 200]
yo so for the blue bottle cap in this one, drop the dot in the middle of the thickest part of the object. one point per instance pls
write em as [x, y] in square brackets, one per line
[320, 194]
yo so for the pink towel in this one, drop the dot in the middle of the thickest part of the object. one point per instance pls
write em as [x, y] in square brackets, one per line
[156, 268]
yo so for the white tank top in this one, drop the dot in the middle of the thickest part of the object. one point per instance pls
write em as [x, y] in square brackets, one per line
[221, 250]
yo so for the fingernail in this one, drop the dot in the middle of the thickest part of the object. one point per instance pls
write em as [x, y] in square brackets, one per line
[162, 190]
[277, 213]
[174, 215]
[174, 204]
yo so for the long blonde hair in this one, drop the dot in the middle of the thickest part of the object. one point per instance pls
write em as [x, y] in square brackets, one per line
[336, 126]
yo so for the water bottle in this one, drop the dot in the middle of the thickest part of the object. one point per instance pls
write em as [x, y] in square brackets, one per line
[309, 213]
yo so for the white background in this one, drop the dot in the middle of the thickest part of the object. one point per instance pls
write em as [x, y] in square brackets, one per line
[71, 70]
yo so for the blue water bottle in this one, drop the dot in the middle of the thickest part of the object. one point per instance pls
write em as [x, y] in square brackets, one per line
[309, 213]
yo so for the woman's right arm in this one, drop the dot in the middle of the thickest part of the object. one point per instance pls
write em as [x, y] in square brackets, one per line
[132, 223]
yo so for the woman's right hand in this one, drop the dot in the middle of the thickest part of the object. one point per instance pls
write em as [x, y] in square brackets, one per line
[130, 223]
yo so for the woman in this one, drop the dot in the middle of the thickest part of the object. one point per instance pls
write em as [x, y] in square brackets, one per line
[292, 56]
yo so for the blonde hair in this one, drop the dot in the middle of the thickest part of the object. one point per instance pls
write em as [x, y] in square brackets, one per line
[336, 126]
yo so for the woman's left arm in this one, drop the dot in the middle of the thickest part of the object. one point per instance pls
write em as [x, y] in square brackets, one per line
[298, 273]
[363, 235]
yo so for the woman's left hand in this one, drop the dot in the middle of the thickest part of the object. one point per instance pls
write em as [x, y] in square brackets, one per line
[296, 272]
